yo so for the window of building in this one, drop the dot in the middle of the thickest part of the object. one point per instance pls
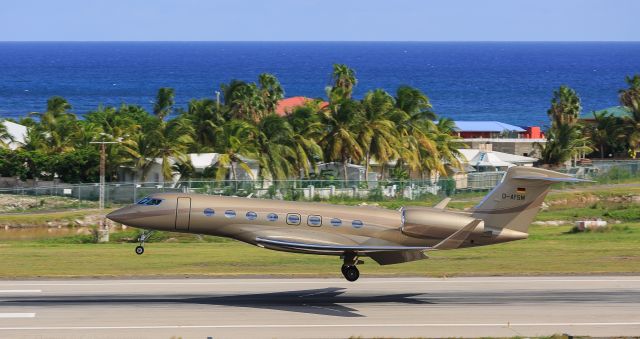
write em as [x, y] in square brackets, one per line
[272, 217]
[293, 219]
[252, 215]
[230, 213]
[357, 223]
[209, 212]
[314, 220]
[336, 222]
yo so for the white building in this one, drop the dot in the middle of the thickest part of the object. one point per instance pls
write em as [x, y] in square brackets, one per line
[489, 161]
[17, 132]
[199, 161]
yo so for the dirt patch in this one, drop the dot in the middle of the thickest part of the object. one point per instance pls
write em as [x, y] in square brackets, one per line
[18, 203]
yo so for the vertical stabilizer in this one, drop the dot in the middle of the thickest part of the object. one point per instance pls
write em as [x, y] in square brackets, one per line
[514, 203]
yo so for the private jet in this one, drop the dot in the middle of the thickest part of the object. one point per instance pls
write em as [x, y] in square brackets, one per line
[350, 232]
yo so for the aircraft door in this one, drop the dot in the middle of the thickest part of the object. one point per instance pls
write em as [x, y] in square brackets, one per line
[183, 214]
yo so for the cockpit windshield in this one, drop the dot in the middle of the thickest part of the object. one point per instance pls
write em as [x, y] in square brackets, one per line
[149, 201]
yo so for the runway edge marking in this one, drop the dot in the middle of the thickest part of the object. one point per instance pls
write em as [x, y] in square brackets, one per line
[17, 315]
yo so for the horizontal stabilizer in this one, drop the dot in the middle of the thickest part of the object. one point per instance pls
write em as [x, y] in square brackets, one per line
[571, 180]
[442, 204]
[456, 239]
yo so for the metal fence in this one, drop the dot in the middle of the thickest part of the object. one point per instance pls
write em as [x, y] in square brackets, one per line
[124, 193]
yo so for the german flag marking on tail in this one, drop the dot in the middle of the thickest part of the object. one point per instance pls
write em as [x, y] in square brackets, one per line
[521, 190]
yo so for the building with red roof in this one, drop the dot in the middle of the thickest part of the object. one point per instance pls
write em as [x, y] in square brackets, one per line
[287, 105]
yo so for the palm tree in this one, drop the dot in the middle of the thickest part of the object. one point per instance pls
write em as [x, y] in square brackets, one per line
[630, 98]
[206, 120]
[342, 121]
[449, 145]
[58, 126]
[564, 143]
[169, 141]
[274, 145]
[109, 124]
[414, 102]
[165, 99]
[378, 136]
[235, 145]
[413, 119]
[307, 131]
[565, 106]
[57, 106]
[344, 80]
[271, 92]
[564, 138]
[243, 100]
[606, 132]
[5, 137]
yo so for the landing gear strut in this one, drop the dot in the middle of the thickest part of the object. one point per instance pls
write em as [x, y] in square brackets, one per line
[143, 237]
[349, 269]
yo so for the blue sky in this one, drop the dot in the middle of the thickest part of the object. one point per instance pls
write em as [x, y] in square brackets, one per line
[324, 20]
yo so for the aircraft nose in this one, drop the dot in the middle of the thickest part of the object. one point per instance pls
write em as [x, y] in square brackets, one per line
[118, 215]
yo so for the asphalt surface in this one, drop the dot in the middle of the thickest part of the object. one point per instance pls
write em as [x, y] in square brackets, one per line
[320, 308]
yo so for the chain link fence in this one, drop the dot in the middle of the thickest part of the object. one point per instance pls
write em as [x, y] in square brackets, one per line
[605, 172]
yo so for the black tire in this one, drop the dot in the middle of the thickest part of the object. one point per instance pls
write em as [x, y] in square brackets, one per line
[351, 273]
[139, 250]
[343, 268]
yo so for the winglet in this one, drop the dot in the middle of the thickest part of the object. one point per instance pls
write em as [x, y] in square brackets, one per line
[456, 239]
[442, 204]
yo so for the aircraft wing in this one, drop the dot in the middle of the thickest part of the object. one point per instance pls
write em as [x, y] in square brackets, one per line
[309, 241]
[304, 246]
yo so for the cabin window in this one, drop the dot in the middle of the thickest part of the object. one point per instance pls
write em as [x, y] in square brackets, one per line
[314, 220]
[357, 223]
[272, 217]
[209, 212]
[230, 213]
[293, 219]
[252, 215]
[149, 201]
[336, 222]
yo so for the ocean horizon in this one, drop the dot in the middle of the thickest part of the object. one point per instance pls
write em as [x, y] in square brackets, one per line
[510, 82]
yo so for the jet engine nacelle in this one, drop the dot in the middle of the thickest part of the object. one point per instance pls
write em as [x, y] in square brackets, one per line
[423, 222]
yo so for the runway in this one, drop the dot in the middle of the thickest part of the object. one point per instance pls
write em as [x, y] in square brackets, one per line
[320, 308]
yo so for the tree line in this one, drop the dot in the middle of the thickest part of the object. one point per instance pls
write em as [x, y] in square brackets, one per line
[400, 127]
[243, 126]
[605, 134]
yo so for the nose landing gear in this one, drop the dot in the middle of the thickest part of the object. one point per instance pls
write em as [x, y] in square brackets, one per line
[143, 237]
[349, 269]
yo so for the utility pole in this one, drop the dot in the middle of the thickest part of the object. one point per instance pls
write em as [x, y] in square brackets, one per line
[103, 160]
[103, 235]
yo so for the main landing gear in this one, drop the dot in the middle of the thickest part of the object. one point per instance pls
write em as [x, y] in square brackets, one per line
[349, 269]
[143, 237]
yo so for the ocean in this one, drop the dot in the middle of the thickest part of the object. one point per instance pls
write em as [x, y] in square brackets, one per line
[510, 82]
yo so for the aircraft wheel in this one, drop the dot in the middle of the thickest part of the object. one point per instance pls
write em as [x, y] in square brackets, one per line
[139, 250]
[351, 273]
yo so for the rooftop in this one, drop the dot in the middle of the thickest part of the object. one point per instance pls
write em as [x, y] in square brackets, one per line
[476, 157]
[285, 106]
[485, 126]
